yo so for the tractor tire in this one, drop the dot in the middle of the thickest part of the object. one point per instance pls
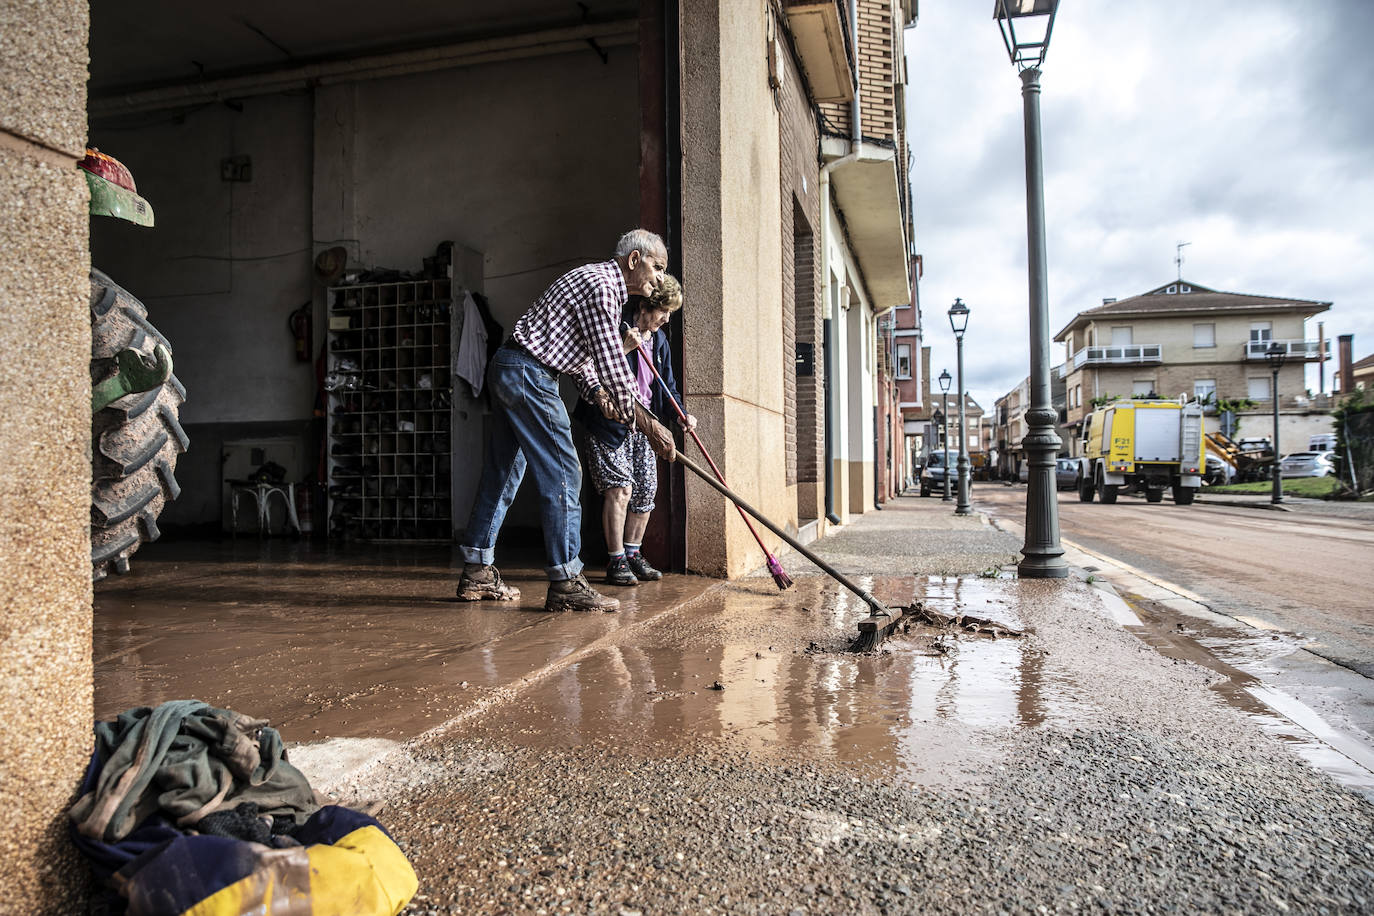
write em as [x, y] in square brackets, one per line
[1086, 492]
[135, 441]
[1183, 496]
[1154, 495]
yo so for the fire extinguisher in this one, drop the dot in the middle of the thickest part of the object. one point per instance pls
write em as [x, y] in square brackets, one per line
[300, 323]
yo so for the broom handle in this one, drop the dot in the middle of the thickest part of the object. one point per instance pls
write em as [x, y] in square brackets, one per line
[792, 542]
[649, 361]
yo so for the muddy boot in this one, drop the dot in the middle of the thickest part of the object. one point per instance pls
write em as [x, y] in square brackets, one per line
[480, 582]
[641, 568]
[618, 572]
[576, 595]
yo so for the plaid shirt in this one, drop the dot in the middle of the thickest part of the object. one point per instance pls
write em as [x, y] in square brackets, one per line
[574, 327]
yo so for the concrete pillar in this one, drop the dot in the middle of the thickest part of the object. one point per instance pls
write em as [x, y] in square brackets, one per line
[732, 272]
[45, 489]
[1345, 344]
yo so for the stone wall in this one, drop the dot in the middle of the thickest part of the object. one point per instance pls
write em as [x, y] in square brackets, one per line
[45, 595]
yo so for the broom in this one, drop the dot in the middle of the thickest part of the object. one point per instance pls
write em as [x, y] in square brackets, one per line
[780, 578]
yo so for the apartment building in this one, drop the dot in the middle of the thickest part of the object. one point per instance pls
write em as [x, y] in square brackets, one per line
[1184, 339]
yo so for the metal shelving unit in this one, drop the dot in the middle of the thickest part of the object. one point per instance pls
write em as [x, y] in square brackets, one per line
[390, 409]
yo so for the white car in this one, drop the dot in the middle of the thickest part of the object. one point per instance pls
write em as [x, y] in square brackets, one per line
[1307, 464]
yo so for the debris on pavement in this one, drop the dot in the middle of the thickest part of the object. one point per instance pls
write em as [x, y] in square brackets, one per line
[186, 807]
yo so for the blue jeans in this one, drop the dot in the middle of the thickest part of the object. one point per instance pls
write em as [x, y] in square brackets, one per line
[529, 426]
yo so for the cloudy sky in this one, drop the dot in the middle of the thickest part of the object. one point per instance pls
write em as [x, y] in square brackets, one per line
[1245, 128]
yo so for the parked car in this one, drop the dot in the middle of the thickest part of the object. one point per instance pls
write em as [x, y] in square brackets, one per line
[1065, 473]
[1322, 442]
[1219, 473]
[1307, 464]
[933, 474]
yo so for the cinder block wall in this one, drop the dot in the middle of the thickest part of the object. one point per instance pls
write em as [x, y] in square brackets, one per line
[45, 590]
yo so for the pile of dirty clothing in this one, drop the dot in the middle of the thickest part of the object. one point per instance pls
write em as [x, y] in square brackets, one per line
[186, 807]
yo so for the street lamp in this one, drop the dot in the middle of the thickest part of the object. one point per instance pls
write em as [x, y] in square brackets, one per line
[944, 420]
[958, 320]
[1042, 555]
[1276, 355]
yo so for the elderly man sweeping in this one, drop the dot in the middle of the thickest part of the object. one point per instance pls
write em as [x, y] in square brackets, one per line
[573, 329]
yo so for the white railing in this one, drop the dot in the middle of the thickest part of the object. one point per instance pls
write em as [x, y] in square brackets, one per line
[1293, 349]
[1124, 355]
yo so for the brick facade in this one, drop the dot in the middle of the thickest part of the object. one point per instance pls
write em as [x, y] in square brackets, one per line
[804, 403]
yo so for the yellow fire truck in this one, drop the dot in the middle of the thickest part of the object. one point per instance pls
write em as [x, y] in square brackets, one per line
[1145, 445]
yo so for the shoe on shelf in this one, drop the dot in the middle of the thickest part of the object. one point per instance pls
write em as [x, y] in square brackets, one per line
[483, 583]
[618, 572]
[576, 594]
[641, 568]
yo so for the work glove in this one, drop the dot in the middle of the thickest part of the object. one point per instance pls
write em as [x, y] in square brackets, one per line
[660, 440]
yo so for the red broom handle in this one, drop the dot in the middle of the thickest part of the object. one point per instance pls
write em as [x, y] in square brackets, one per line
[649, 361]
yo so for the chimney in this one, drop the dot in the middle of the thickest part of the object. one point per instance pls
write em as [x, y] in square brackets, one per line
[1347, 370]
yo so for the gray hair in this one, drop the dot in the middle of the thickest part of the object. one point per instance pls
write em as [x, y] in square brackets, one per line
[641, 240]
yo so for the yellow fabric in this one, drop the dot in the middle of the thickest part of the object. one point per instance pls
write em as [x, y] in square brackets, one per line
[363, 874]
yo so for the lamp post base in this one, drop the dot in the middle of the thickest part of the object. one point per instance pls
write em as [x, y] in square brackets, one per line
[1043, 567]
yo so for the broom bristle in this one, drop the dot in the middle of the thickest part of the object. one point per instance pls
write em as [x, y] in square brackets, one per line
[780, 578]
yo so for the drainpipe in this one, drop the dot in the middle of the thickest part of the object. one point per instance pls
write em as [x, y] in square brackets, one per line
[855, 140]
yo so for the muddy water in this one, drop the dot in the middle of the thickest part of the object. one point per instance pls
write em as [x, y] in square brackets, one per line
[735, 666]
[330, 643]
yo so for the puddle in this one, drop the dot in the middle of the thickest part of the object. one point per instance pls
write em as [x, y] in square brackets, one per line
[906, 710]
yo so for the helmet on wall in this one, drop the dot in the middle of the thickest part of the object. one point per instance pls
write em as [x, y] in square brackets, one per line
[113, 192]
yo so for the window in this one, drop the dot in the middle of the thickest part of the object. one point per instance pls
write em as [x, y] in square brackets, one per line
[1143, 386]
[903, 360]
[1171, 290]
[1185, 288]
[1121, 337]
[1205, 335]
[1259, 389]
[973, 441]
[1261, 331]
[1205, 389]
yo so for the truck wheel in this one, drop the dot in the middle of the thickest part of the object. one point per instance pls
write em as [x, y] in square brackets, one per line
[1085, 490]
[1105, 491]
[1183, 496]
[135, 441]
[1154, 495]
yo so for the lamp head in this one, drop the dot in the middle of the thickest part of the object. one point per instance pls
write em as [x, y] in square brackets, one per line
[1035, 19]
[1277, 355]
[945, 379]
[958, 318]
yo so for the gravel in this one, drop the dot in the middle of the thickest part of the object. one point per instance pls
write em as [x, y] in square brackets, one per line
[1139, 790]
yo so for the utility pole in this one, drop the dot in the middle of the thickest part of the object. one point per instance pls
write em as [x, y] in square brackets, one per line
[1178, 256]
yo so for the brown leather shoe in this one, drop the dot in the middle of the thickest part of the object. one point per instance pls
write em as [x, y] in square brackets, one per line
[576, 595]
[480, 583]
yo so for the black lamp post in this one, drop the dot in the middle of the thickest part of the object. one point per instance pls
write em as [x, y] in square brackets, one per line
[958, 320]
[1042, 555]
[944, 421]
[1276, 355]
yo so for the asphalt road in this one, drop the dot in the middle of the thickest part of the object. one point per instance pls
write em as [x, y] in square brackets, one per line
[1308, 570]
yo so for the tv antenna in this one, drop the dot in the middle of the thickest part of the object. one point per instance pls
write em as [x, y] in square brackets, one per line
[1178, 256]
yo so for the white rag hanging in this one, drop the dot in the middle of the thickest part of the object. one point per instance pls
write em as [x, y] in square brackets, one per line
[472, 347]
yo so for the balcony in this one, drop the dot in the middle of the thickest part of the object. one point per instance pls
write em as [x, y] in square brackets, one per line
[1124, 355]
[1292, 349]
[821, 36]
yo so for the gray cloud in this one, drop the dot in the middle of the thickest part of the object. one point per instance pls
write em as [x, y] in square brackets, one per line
[1241, 128]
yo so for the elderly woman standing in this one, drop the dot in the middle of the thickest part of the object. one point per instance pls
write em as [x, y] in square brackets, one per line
[620, 461]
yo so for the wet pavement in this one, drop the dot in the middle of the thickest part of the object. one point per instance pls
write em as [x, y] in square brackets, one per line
[714, 748]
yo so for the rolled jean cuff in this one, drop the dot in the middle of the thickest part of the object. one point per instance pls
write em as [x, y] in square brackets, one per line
[484, 555]
[563, 572]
